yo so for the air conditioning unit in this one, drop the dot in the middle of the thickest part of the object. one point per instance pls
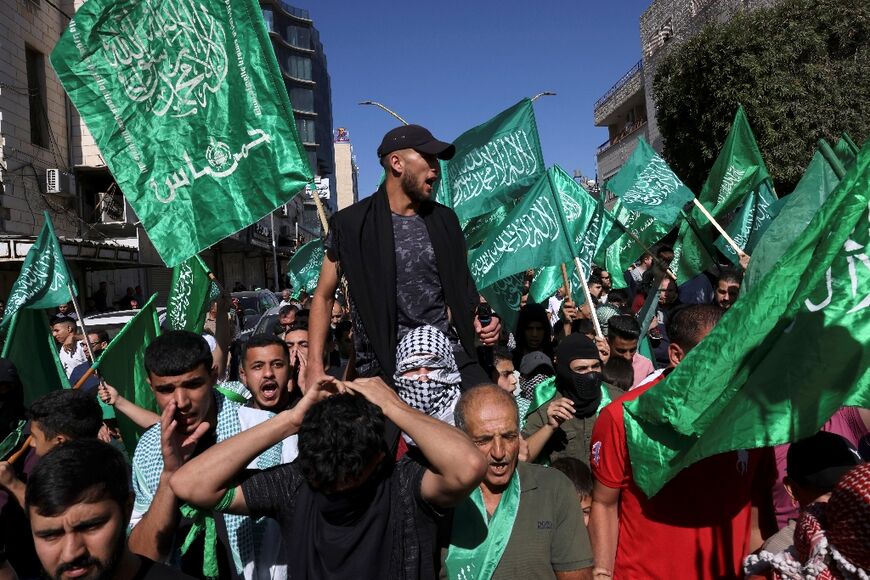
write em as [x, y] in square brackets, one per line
[112, 207]
[59, 182]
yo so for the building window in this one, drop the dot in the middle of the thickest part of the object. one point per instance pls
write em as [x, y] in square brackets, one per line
[305, 127]
[36, 92]
[299, 67]
[302, 99]
[299, 36]
[268, 19]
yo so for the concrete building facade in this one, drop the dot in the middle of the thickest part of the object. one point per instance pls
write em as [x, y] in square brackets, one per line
[346, 171]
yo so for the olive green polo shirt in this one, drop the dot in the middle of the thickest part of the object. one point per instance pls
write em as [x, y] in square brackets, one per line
[548, 535]
[574, 436]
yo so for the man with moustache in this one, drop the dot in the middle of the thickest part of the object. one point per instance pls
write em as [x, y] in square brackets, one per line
[194, 416]
[265, 371]
[404, 258]
[524, 520]
[79, 502]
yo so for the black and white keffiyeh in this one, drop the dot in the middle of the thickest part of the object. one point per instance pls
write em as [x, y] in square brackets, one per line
[437, 393]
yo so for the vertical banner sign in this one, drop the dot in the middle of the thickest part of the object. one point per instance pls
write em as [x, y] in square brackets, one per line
[494, 163]
[190, 295]
[188, 106]
[304, 267]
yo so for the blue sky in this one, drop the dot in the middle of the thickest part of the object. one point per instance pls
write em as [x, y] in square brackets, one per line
[451, 65]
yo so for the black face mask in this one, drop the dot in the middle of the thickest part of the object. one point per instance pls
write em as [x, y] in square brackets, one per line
[584, 390]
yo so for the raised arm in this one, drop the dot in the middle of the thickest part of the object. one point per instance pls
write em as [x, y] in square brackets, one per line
[455, 465]
[318, 320]
[143, 418]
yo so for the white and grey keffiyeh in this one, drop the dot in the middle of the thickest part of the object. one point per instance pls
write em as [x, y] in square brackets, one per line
[427, 347]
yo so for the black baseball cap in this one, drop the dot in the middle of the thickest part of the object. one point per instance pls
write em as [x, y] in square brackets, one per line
[417, 138]
[821, 460]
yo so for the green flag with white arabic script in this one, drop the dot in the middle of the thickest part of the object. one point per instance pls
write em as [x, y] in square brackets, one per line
[738, 170]
[304, 267]
[189, 298]
[494, 163]
[505, 298]
[757, 212]
[782, 360]
[30, 345]
[619, 249]
[531, 236]
[647, 185]
[44, 281]
[188, 106]
[585, 216]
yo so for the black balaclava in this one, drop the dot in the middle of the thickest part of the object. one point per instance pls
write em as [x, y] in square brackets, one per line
[12, 400]
[583, 389]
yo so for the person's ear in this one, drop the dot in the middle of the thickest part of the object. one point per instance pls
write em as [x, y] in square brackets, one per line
[675, 354]
[788, 484]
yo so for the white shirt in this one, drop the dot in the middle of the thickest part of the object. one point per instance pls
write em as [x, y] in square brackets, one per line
[70, 360]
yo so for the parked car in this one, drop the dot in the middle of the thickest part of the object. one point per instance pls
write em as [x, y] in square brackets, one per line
[113, 322]
[255, 303]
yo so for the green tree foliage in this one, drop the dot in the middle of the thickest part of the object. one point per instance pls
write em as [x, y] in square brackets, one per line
[801, 69]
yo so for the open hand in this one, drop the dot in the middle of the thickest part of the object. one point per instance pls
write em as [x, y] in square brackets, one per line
[375, 390]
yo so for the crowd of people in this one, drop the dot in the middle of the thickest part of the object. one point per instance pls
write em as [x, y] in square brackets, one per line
[394, 428]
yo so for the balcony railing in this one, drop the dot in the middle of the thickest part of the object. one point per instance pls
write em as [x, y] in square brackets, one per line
[619, 84]
[627, 132]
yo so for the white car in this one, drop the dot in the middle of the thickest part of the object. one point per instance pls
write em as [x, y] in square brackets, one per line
[113, 322]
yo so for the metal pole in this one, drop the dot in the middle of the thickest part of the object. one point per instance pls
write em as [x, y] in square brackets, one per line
[543, 94]
[582, 276]
[81, 322]
[390, 111]
[275, 252]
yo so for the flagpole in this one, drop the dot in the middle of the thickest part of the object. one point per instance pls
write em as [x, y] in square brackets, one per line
[390, 111]
[731, 242]
[274, 252]
[567, 282]
[81, 321]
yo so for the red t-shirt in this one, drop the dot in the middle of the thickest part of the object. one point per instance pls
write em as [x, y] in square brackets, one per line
[698, 525]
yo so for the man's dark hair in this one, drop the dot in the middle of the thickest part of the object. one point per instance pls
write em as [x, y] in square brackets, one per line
[729, 274]
[461, 410]
[102, 335]
[73, 413]
[177, 352]
[297, 326]
[62, 319]
[624, 326]
[619, 372]
[618, 295]
[260, 340]
[81, 471]
[664, 249]
[578, 472]
[687, 324]
[340, 437]
[343, 329]
[594, 279]
[583, 326]
[287, 309]
[500, 353]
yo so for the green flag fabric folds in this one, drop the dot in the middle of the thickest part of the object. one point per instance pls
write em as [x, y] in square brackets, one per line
[304, 267]
[618, 249]
[756, 214]
[505, 298]
[647, 185]
[738, 170]
[189, 297]
[781, 361]
[122, 365]
[44, 280]
[31, 347]
[188, 106]
[531, 236]
[494, 163]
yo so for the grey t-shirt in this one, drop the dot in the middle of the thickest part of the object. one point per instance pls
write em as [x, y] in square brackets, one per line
[419, 296]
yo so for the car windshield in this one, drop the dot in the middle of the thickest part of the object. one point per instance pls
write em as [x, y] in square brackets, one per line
[250, 303]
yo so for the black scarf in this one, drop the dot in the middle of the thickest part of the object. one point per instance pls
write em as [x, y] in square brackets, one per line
[364, 236]
[583, 389]
[346, 535]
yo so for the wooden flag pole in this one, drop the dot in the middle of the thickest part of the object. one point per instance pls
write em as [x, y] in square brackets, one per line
[567, 282]
[729, 239]
[588, 295]
[390, 111]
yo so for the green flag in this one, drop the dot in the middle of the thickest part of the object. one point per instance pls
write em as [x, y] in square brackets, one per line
[782, 360]
[189, 298]
[188, 106]
[756, 214]
[618, 249]
[494, 163]
[845, 151]
[647, 185]
[798, 209]
[477, 230]
[122, 365]
[738, 171]
[34, 351]
[304, 267]
[44, 280]
[532, 235]
[505, 297]
[584, 215]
